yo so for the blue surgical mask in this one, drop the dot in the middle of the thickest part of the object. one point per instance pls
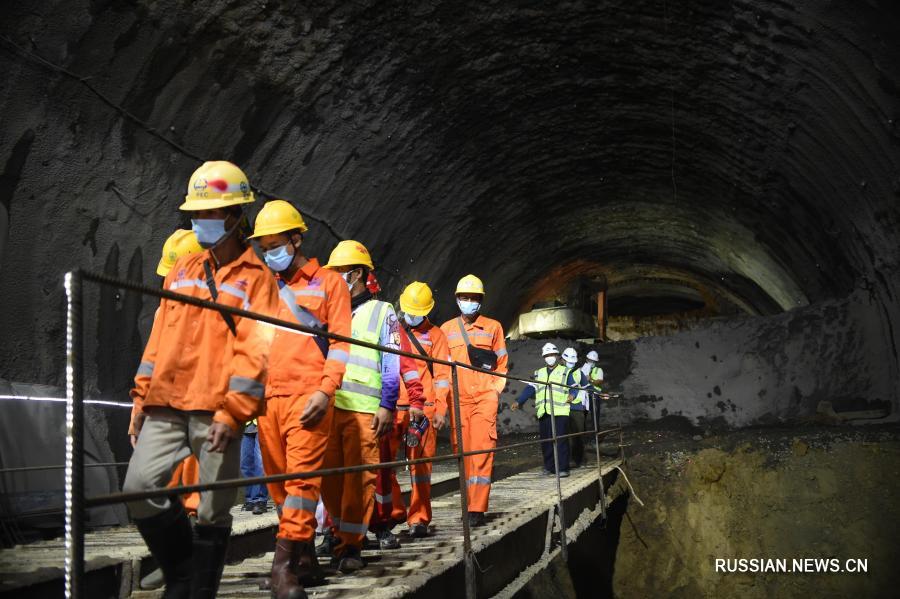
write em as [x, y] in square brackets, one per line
[468, 307]
[208, 231]
[279, 259]
[413, 321]
[571, 364]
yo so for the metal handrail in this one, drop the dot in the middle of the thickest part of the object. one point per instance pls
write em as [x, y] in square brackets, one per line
[19, 469]
[76, 503]
[200, 303]
[122, 497]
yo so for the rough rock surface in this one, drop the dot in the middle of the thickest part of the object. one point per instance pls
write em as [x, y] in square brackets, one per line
[750, 146]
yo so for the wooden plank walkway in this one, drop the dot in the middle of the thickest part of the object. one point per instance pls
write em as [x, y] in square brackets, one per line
[25, 565]
[395, 573]
[400, 572]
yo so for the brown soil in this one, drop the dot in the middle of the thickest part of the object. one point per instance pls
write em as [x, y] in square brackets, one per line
[760, 493]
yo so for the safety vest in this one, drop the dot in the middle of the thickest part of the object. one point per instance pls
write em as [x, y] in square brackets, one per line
[596, 373]
[581, 380]
[361, 388]
[558, 375]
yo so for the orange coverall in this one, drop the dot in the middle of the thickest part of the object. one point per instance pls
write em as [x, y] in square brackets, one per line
[437, 390]
[194, 363]
[479, 397]
[198, 364]
[388, 500]
[297, 369]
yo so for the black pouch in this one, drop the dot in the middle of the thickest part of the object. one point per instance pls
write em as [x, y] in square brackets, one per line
[481, 358]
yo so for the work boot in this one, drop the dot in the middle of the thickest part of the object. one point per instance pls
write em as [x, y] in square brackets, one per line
[349, 562]
[476, 519]
[210, 546]
[418, 530]
[285, 582]
[153, 581]
[387, 539]
[564, 474]
[329, 542]
[168, 537]
[309, 571]
[259, 508]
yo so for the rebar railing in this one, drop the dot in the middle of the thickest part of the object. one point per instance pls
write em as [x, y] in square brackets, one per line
[76, 503]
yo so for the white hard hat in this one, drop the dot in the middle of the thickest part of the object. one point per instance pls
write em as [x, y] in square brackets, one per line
[548, 349]
[570, 355]
[592, 355]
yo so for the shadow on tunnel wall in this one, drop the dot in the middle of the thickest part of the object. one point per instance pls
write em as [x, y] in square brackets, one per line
[119, 346]
[592, 559]
[590, 569]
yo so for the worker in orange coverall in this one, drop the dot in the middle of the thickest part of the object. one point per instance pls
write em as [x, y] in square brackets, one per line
[477, 340]
[304, 373]
[416, 302]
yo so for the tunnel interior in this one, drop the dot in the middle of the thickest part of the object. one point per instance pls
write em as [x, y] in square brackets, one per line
[729, 174]
[744, 155]
[707, 161]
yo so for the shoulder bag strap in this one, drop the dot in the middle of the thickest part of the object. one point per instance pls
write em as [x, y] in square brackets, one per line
[214, 293]
[418, 346]
[304, 316]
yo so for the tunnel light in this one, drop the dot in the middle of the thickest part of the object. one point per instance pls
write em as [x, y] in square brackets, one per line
[100, 402]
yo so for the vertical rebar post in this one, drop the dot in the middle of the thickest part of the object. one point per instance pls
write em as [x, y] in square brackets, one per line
[599, 463]
[469, 558]
[560, 509]
[74, 473]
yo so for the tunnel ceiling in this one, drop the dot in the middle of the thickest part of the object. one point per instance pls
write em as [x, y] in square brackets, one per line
[751, 145]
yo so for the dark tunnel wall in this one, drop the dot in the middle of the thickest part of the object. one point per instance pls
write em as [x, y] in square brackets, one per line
[753, 144]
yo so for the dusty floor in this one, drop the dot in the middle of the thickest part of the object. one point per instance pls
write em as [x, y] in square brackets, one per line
[760, 493]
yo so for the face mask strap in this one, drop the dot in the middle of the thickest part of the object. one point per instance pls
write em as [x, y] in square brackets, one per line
[225, 236]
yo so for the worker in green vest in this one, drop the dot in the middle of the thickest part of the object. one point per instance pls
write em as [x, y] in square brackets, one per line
[552, 402]
[363, 407]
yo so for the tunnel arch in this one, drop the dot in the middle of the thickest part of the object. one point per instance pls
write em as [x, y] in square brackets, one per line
[753, 146]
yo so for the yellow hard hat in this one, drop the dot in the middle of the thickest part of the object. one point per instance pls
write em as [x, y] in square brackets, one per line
[350, 253]
[470, 284]
[217, 184]
[180, 243]
[277, 216]
[417, 299]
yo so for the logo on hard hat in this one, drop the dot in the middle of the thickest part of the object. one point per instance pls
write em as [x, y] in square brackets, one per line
[361, 249]
[245, 188]
[200, 184]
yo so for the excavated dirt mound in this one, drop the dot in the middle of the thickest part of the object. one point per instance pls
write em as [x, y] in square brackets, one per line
[761, 493]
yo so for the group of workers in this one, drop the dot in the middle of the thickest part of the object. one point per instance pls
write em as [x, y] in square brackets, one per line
[314, 402]
[563, 394]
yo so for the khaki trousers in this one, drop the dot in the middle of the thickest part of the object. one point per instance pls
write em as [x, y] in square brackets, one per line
[167, 437]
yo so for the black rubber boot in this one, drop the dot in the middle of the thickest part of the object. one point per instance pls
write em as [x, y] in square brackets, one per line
[168, 537]
[329, 542]
[210, 546]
